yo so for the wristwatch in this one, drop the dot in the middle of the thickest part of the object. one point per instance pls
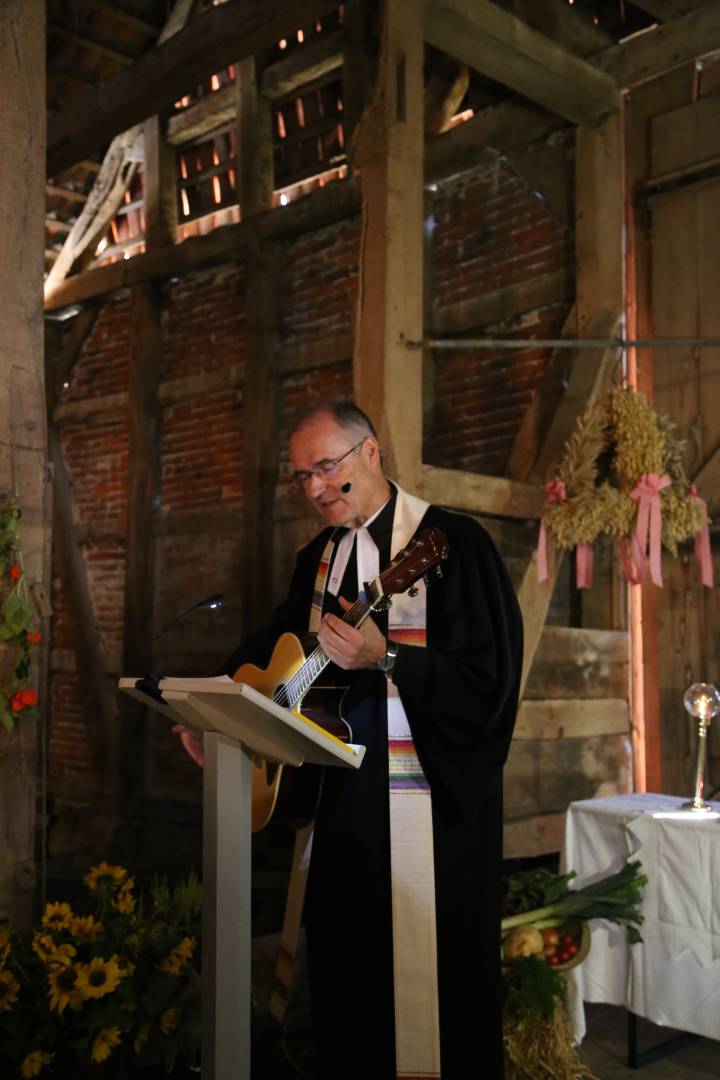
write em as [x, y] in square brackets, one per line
[387, 661]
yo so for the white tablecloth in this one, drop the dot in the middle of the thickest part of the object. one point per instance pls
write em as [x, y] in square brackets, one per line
[673, 978]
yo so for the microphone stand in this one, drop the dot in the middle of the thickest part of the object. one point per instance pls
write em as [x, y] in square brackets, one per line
[149, 683]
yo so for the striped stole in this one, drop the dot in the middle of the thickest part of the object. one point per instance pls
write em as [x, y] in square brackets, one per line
[417, 1030]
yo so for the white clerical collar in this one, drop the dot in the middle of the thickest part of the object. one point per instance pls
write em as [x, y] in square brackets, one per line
[368, 556]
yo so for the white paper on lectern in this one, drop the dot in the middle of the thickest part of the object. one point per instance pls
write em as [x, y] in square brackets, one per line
[264, 727]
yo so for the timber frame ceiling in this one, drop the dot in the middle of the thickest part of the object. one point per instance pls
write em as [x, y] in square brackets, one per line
[97, 49]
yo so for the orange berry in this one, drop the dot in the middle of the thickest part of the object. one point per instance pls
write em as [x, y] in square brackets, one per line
[28, 697]
[15, 571]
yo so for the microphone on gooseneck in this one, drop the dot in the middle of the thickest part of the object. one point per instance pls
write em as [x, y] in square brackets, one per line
[149, 682]
[346, 487]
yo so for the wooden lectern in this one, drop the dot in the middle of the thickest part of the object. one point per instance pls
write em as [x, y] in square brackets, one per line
[238, 723]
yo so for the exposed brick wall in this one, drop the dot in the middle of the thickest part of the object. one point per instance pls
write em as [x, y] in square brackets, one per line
[320, 283]
[203, 321]
[104, 368]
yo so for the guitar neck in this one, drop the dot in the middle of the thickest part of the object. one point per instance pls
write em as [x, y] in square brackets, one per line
[298, 685]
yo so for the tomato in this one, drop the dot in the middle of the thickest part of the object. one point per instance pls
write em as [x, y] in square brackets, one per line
[553, 960]
[566, 939]
[564, 955]
[573, 949]
[550, 936]
[549, 950]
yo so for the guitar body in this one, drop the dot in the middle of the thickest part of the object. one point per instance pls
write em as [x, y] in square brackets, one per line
[279, 791]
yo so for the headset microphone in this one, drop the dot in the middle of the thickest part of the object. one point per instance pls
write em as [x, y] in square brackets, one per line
[346, 487]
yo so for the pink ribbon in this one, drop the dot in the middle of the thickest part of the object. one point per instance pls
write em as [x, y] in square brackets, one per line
[555, 492]
[584, 565]
[702, 542]
[648, 528]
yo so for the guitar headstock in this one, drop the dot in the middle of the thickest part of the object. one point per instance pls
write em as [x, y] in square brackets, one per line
[414, 561]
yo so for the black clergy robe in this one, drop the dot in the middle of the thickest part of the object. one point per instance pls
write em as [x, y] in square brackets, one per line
[460, 696]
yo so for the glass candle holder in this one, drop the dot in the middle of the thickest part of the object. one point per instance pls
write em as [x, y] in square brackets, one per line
[702, 701]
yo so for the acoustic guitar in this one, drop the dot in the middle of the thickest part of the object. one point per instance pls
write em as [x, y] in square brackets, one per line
[292, 679]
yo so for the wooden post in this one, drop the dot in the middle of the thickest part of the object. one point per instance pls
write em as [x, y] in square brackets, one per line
[389, 157]
[22, 404]
[260, 395]
[160, 194]
[143, 481]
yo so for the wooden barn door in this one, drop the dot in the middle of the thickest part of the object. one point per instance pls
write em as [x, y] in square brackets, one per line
[685, 239]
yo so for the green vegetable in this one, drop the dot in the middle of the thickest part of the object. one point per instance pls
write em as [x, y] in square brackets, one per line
[532, 987]
[615, 898]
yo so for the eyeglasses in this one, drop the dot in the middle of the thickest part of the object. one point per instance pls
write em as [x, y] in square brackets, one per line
[323, 468]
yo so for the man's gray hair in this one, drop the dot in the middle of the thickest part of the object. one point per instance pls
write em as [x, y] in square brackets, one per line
[346, 415]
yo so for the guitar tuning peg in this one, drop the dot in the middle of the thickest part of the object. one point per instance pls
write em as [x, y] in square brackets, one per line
[413, 591]
[438, 570]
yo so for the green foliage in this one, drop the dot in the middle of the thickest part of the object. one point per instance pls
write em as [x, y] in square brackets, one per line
[532, 988]
[17, 619]
[122, 980]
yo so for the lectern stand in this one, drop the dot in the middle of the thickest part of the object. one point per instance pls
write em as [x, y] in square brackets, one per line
[238, 723]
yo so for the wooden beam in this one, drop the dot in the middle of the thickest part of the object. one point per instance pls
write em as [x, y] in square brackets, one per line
[478, 494]
[59, 369]
[261, 389]
[122, 16]
[254, 141]
[666, 9]
[503, 47]
[210, 112]
[502, 304]
[444, 91]
[97, 701]
[322, 207]
[534, 598]
[65, 193]
[216, 38]
[387, 379]
[538, 418]
[143, 484]
[572, 718]
[314, 60]
[81, 41]
[159, 188]
[668, 46]
[589, 377]
[708, 481]
[357, 70]
[558, 21]
[496, 129]
[599, 220]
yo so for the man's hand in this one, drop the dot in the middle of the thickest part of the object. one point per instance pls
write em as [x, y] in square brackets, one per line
[193, 743]
[348, 647]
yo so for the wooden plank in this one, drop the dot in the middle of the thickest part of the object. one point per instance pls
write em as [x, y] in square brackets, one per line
[210, 112]
[314, 60]
[60, 192]
[59, 368]
[501, 304]
[218, 37]
[387, 377]
[491, 131]
[557, 20]
[668, 46]
[528, 837]
[146, 350]
[542, 408]
[686, 136]
[543, 775]
[578, 663]
[356, 69]
[599, 221]
[503, 47]
[572, 718]
[478, 494]
[667, 9]
[159, 187]
[324, 206]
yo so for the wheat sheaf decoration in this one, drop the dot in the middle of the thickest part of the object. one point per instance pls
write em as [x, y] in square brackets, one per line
[622, 478]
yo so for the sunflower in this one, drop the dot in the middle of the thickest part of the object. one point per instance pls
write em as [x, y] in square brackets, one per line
[9, 987]
[84, 928]
[175, 961]
[104, 1042]
[99, 977]
[102, 874]
[4, 945]
[168, 1021]
[141, 1038]
[64, 988]
[124, 902]
[34, 1063]
[50, 952]
[57, 916]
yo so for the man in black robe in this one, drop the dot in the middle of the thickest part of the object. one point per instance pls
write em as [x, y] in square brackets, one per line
[459, 692]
